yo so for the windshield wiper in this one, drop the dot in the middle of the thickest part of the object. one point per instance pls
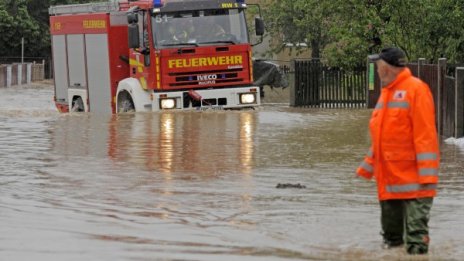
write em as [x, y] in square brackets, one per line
[176, 44]
[229, 42]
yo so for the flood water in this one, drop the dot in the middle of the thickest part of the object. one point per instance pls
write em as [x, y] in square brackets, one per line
[198, 186]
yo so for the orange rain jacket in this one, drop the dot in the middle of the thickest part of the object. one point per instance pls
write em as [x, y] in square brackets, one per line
[404, 155]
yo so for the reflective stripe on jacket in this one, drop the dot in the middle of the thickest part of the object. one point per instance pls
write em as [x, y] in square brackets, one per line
[404, 156]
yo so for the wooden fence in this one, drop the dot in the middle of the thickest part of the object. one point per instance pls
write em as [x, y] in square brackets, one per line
[316, 85]
[18, 74]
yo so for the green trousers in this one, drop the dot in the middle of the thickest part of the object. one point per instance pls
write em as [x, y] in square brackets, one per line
[406, 221]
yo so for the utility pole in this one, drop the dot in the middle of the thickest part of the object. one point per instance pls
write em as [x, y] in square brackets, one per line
[22, 50]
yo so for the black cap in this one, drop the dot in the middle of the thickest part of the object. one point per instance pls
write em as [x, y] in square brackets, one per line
[392, 55]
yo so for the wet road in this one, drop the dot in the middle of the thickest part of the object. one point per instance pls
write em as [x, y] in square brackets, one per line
[198, 186]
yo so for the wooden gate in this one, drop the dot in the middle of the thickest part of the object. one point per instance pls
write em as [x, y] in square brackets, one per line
[320, 86]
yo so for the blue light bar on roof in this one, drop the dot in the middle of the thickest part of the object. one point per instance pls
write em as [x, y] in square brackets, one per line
[157, 3]
[240, 1]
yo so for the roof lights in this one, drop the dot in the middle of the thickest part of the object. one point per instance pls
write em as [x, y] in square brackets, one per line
[157, 3]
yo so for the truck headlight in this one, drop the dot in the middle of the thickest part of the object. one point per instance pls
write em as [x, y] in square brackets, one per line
[168, 103]
[247, 98]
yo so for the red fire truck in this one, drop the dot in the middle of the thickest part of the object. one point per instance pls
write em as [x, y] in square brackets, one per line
[152, 55]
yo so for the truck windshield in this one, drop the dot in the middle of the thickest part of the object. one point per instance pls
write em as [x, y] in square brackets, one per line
[198, 28]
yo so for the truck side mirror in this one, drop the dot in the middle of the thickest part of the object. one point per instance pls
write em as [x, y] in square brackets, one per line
[259, 26]
[133, 34]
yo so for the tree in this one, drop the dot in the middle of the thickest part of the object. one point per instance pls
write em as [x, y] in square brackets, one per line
[299, 22]
[15, 23]
[344, 32]
[28, 19]
[354, 34]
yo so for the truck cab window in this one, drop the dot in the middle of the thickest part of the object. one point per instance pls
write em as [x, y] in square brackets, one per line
[199, 28]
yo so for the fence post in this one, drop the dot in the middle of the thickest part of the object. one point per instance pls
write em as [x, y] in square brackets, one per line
[370, 73]
[459, 103]
[8, 75]
[441, 78]
[420, 65]
[291, 81]
[50, 68]
[20, 73]
[28, 73]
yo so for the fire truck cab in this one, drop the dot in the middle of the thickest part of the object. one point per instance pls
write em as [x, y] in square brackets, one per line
[152, 55]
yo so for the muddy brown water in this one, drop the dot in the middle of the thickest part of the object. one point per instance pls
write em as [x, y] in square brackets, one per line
[198, 185]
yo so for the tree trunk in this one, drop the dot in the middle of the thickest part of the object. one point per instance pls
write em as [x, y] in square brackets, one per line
[315, 49]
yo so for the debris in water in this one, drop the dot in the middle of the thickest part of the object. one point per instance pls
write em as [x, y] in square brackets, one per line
[289, 185]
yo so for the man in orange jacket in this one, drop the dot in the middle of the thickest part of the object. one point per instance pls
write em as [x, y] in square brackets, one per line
[404, 155]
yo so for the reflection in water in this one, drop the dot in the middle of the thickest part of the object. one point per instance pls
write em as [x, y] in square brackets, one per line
[166, 142]
[202, 143]
[198, 186]
[246, 141]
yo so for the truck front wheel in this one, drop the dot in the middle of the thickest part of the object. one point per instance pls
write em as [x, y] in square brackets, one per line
[125, 102]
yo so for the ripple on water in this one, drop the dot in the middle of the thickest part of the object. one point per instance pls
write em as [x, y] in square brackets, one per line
[198, 186]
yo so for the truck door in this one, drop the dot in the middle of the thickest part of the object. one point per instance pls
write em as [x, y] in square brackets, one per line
[76, 61]
[77, 72]
[60, 67]
[98, 72]
[141, 57]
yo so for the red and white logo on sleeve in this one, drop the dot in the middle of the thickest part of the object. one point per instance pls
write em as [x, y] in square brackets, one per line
[399, 95]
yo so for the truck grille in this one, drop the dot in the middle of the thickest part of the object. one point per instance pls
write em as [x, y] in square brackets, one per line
[205, 78]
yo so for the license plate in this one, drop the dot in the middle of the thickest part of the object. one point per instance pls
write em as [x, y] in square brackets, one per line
[213, 108]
